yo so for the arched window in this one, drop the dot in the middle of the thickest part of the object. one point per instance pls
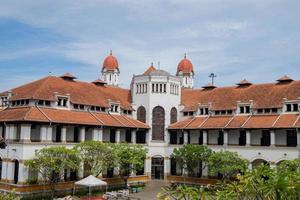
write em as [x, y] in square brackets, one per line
[16, 171]
[158, 123]
[173, 115]
[141, 114]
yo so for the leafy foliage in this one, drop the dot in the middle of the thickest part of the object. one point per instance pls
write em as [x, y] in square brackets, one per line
[266, 184]
[9, 196]
[184, 192]
[130, 158]
[97, 156]
[50, 162]
[191, 156]
[226, 163]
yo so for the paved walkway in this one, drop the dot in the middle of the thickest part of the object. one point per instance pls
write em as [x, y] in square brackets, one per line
[150, 191]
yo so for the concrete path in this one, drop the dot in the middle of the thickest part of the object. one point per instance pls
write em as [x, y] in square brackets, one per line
[150, 191]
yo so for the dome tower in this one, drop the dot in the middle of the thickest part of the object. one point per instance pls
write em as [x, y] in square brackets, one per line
[110, 70]
[186, 72]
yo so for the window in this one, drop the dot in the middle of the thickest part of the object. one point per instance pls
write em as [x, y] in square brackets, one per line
[158, 123]
[292, 107]
[62, 102]
[204, 111]
[114, 108]
[141, 137]
[244, 109]
[4, 101]
[173, 115]
[141, 114]
[190, 113]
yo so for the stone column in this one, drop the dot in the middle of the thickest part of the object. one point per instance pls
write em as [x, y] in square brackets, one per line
[25, 132]
[82, 134]
[64, 134]
[95, 134]
[133, 136]
[185, 137]
[272, 134]
[45, 132]
[167, 167]
[148, 167]
[248, 138]
[10, 131]
[225, 138]
[118, 136]
[205, 138]
[100, 136]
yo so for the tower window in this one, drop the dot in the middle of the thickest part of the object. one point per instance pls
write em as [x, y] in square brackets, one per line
[292, 107]
[62, 102]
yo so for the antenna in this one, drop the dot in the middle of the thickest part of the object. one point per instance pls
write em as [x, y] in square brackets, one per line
[212, 76]
[110, 52]
[158, 64]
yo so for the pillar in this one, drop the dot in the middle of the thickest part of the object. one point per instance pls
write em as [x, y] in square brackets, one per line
[148, 167]
[272, 134]
[23, 173]
[95, 134]
[46, 133]
[10, 131]
[133, 136]
[248, 138]
[298, 138]
[185, 137]
[118, 136]
[225, 138]
[100, 136]
[25, 132]
[205, 138]
[64, 134]
[82, 134]
[167, 167]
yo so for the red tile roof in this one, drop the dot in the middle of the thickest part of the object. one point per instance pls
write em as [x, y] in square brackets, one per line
[185, 66]
[68, 117]
[237, 122]
[80, 92]
[216, 122]
[149, 70]
[286, 121]
[110, 63]
[261, 121]
[268, 95]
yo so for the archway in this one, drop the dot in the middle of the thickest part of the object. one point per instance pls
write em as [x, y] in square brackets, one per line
[16, 171]
[158, 123]
[258, 162]
[157, 167]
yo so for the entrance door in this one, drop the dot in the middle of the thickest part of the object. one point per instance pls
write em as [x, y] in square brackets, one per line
[157, 169]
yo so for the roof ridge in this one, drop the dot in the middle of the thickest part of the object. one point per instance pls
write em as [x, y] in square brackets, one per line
[203, 121]
[246, 121]
[125, 117]
[276, 120]
[101, 122]
[41, 85]
[294, 124]
[229, 121]
[117, 119]
[43, 113]
[25, 116]
[192, 119]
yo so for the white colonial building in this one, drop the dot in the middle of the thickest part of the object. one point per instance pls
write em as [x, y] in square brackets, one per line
[160, 111]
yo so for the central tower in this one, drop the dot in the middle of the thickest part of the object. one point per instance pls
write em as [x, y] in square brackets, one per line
[110, 70]
[186, 73]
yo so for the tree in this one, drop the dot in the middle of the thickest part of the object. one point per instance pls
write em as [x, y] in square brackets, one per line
[184, 192]
[51, 162]
[227, 164]
[130, 158]
[191, 156]
[96, 156]
[265, 183]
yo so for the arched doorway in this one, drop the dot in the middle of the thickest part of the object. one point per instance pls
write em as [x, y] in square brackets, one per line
[173, 115]
[258, 162]
[157, 167]
[141, 114]
[16, 171]
[158, 123]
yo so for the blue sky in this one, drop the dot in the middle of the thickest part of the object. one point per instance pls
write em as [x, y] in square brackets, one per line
[254, 39]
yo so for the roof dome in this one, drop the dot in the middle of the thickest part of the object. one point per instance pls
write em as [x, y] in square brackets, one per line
[159, 72]
[110, 63]
[185, 66]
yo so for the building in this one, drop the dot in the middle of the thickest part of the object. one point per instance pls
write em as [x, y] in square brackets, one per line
[160, 110]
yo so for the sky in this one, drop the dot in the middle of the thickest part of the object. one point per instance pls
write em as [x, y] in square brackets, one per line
[254, 39]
